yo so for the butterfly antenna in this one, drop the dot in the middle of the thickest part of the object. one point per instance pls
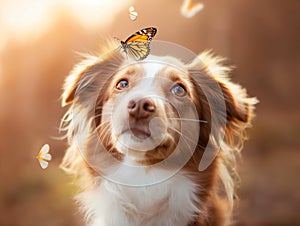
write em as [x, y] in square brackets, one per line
[117, 39]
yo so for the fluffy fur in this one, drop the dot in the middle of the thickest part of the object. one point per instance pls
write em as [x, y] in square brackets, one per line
[104, 130]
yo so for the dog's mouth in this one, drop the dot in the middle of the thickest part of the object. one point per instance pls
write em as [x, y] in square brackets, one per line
[140, 133]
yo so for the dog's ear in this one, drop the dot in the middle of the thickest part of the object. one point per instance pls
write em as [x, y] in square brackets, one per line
[71, 83]
[90, 75]
[214, 75]
[225, 107]
[238, 106]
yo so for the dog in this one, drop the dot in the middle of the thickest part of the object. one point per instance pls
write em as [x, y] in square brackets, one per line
[154, 142]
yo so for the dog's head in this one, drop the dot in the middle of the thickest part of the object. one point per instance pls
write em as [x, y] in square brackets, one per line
[143, 109]
[150, 111]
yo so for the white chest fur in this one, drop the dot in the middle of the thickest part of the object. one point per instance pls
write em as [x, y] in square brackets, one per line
[170, 203]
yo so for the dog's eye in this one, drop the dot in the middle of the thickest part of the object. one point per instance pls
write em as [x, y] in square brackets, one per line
[122, 84]
[178, 90]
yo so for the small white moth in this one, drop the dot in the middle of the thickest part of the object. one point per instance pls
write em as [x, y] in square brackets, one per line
[132, 14]
[44, 156]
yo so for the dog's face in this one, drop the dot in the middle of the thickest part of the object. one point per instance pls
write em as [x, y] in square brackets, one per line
[144, 105]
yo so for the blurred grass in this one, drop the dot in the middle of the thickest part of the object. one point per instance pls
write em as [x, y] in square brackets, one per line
[36, 197]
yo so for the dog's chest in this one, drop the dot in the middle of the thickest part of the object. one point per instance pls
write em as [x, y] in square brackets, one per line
[172, 202]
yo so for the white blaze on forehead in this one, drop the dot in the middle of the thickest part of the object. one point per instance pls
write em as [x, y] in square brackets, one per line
[152, 69]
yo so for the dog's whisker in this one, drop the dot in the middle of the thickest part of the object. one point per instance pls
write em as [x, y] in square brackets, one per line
[101, 107]
[110, 150]
[188, 119]
[185, 137]
[170, 113]
[98, 115]
[172, 139]
[101, 125]
[104, 128]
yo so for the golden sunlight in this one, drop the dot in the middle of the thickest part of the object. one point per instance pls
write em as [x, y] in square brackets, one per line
[21, 18]
[93, 13]
[25, 22]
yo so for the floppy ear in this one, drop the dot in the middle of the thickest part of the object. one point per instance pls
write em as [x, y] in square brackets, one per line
[225, 107]
[239, 107]
[72, 81]
[89, 76]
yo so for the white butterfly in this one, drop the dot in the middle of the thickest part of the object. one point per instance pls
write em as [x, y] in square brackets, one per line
[190, 8]
[132, 14]
[43, 156]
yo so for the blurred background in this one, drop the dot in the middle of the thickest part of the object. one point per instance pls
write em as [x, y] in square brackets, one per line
[38, 44]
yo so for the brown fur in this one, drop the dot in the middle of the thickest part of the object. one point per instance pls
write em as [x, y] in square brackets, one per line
[216, 182]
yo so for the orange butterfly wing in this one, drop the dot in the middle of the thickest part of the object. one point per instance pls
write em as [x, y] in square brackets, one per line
[144, 35]
[137, 38]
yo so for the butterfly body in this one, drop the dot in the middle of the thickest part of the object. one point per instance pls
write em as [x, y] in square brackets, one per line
[138, 44]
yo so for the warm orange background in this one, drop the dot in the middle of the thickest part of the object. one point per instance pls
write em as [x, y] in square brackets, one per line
[38, 41]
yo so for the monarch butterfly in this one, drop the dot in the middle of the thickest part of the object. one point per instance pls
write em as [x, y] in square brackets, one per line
[44, 156]
[138, 44]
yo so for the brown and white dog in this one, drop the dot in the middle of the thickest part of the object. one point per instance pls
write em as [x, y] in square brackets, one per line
[154, 142]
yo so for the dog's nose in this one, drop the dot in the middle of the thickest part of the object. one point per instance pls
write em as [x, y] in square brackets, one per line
[142, 108]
